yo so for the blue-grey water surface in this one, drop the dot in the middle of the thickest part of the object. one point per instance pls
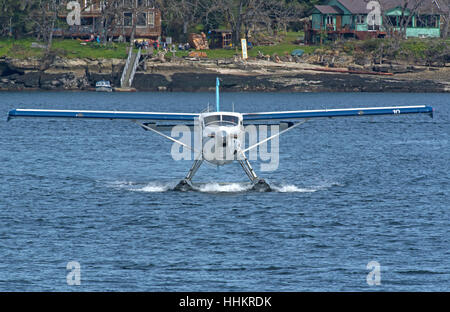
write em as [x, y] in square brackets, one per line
[347, 191]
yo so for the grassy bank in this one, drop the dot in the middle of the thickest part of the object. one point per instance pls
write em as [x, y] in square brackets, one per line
[413, 49]
[22, 48]
[63, 47]
[285, 46]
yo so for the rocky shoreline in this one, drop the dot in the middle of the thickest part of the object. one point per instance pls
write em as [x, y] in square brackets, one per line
[199, 75]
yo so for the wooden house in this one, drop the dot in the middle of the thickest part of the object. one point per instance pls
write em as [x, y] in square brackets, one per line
[349, 18]
[127, 15]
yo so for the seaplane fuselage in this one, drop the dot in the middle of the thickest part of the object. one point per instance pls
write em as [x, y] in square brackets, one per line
[222, 134]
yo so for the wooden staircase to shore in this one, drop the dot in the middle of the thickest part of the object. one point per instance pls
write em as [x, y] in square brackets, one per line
[129, 71]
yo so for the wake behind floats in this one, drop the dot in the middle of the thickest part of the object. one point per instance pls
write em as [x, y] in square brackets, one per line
[222, 133]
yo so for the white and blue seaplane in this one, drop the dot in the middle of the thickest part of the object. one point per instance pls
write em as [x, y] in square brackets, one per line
[226, 128]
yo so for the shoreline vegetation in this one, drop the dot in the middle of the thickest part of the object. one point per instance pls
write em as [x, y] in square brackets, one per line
[373, 65]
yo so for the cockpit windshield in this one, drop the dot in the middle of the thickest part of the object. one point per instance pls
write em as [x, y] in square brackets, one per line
[230, 119]
[222, 120]
[212, 119]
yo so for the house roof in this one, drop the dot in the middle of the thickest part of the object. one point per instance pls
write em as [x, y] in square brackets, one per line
[434, 6]
[355, 6]
[426, 6]
[444, 7]
[328, 9]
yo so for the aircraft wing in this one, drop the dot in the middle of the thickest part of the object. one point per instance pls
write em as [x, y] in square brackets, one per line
[101, 115]
[346, 112]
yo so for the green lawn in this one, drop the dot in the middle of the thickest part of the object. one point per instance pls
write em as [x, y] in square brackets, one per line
[63, 47]
[74, 49]
[286, 46]
[18, 48]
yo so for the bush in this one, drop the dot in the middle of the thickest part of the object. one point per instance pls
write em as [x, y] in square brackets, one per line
[414, 48]
[371, 44]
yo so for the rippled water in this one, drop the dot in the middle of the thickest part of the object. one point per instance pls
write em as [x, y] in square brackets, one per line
[347, 191]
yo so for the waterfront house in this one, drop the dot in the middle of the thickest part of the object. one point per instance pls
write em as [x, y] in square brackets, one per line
[350, 18]
[122, 19]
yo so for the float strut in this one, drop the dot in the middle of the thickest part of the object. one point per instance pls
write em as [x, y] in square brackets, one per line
[259, 184]
[186, 183]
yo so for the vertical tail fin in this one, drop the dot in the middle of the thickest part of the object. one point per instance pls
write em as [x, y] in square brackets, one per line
[217, 94]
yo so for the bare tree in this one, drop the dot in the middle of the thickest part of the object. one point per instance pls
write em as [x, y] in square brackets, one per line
[412, 7]
[43, 16]
[239, 13]
[444, 5]
[242, 15]
[110, 17]
[281, 13]
[408, 9]
[187, 11]
[53, 7]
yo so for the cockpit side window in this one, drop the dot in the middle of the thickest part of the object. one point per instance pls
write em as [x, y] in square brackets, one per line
[212, 119]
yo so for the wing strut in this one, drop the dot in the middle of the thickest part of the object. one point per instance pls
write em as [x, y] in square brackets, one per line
[166, 136]
[274, 136]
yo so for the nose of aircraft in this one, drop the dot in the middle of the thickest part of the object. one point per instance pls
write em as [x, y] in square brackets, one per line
[222, 136]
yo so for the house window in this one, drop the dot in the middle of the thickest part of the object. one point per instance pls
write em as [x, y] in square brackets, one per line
[434, 21]
[329, 19]
[360, 19]
[410, 23]
[421, 21]
[86, 21]
[127, 19]
[102, 5]
[392, 21]
[128, 3]
[142, 20]
[151, 19]
[141, 3]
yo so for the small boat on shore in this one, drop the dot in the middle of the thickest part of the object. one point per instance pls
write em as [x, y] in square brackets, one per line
[103, 86]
